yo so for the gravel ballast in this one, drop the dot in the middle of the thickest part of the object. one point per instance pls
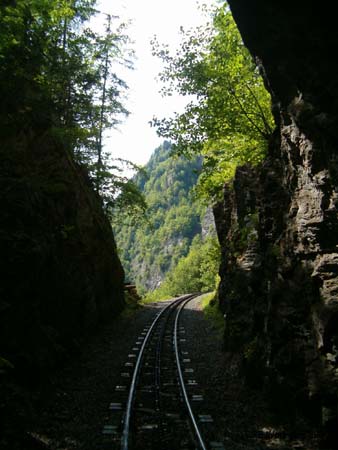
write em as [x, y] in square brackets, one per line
[70, 410]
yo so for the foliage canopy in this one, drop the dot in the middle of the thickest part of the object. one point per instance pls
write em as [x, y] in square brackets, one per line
[229, 119]
[57, 75]
[196, 272]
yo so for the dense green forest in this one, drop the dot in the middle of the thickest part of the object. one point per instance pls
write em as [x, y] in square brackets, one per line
[173, 225]
[58, 76]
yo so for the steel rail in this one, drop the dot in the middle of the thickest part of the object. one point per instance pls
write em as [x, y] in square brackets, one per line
[181, 379]
[126, 427]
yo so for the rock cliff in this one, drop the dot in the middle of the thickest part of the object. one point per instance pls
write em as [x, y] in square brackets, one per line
[60, 272]
[278, 223]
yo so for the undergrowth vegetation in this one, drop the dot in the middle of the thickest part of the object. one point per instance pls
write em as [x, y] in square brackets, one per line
[211, 311]
[196, 272]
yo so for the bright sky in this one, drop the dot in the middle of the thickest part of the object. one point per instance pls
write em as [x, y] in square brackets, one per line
[135, 140]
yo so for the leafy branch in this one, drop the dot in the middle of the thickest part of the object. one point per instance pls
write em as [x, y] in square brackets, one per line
[229, 119]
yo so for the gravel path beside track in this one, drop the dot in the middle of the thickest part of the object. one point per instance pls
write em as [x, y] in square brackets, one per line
[242, 418]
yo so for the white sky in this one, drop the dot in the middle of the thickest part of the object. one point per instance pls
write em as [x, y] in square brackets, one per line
[136, 140]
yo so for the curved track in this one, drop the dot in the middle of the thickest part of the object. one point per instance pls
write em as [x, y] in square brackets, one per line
[158, 412]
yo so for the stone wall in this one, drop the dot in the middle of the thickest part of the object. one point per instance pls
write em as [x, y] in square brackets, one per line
[279, 223]
[60, 273]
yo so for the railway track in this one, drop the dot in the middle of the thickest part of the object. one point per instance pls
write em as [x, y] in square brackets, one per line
[158, 404]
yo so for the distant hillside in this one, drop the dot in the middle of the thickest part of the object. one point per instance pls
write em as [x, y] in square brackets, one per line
[150, 250]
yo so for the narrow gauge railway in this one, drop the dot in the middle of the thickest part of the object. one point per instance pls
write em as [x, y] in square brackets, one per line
[155, 409]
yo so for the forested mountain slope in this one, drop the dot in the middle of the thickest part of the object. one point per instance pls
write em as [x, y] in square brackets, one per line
[149, 250]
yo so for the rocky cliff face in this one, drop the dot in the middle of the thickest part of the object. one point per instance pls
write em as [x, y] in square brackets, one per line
[279, 222]
[59, 268]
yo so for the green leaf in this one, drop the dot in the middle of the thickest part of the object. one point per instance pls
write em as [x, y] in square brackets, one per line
[229, 121]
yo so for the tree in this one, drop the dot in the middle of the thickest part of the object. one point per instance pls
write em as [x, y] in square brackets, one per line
[229, 121]
[195, 272]
[56, 75]
[150, 249]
